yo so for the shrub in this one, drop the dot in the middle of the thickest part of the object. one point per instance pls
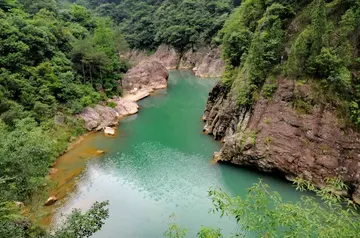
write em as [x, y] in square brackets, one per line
[269, 89]
[111, 104]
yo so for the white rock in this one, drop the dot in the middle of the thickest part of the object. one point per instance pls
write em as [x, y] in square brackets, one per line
[109, 131]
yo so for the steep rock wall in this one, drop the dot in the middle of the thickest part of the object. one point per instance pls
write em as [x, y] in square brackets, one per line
[206, 62]
[273, 137]
[149, 74]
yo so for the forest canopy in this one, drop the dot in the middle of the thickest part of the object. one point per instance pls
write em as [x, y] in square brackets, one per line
[182, 24]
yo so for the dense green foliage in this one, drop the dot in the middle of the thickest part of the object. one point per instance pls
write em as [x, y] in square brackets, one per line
[265, 214]
[79, 224]
[54, 59]
[313, 40]
[53, 62]
[58, 56]
[76, 225]
[182, 24]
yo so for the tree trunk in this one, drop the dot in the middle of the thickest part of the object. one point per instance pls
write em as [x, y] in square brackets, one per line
[91, 76]
[83, 69]
[102, 83]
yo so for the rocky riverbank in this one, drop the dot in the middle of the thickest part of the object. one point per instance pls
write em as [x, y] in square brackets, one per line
[137, 84]
[273, 136]
[204, 61]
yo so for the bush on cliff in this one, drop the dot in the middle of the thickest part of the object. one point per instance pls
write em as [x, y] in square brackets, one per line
[316, 40]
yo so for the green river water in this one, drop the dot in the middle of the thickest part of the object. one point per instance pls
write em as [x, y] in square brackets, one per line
[159, 164]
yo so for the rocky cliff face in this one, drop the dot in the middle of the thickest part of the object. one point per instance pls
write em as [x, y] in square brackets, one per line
[148, 74]
[273, 137]
[204, 61]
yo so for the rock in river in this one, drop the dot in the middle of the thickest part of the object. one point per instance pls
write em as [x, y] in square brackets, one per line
[109, 131]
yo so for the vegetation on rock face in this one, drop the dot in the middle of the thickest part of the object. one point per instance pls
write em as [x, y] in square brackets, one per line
[316, 40]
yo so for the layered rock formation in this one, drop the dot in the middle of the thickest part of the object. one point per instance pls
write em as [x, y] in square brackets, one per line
[204, 61]
[273, 137]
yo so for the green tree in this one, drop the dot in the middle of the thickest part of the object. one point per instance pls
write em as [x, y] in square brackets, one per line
[264, 214]
[78, 225]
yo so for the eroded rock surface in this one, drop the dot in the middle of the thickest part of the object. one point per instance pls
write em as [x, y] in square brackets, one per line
[91, 118]
[101, 116]
[273, 137]
[125, 107]
[108, 116]
[204, 61]
[167, 55]
[148, 74]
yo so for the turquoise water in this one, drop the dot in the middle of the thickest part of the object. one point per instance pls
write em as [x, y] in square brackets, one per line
[160, 164]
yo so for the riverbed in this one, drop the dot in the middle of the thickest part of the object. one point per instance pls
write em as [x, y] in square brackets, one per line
[159, 164]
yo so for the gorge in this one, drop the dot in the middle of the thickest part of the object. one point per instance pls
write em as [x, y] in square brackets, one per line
[158, 164]
[286, 103]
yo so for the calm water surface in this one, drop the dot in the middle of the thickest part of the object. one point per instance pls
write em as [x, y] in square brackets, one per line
[160, 164]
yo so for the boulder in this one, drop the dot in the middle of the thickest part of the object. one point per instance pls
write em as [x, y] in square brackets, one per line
[148, 74]
[99, 117]
[50, 201]
[108, 116]
[109, 131]
[91, 118]
[125, 107]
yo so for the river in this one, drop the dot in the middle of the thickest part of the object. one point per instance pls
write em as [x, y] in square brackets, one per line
[160, 164]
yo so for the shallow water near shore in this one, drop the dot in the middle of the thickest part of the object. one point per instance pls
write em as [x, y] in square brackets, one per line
[159, 164]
